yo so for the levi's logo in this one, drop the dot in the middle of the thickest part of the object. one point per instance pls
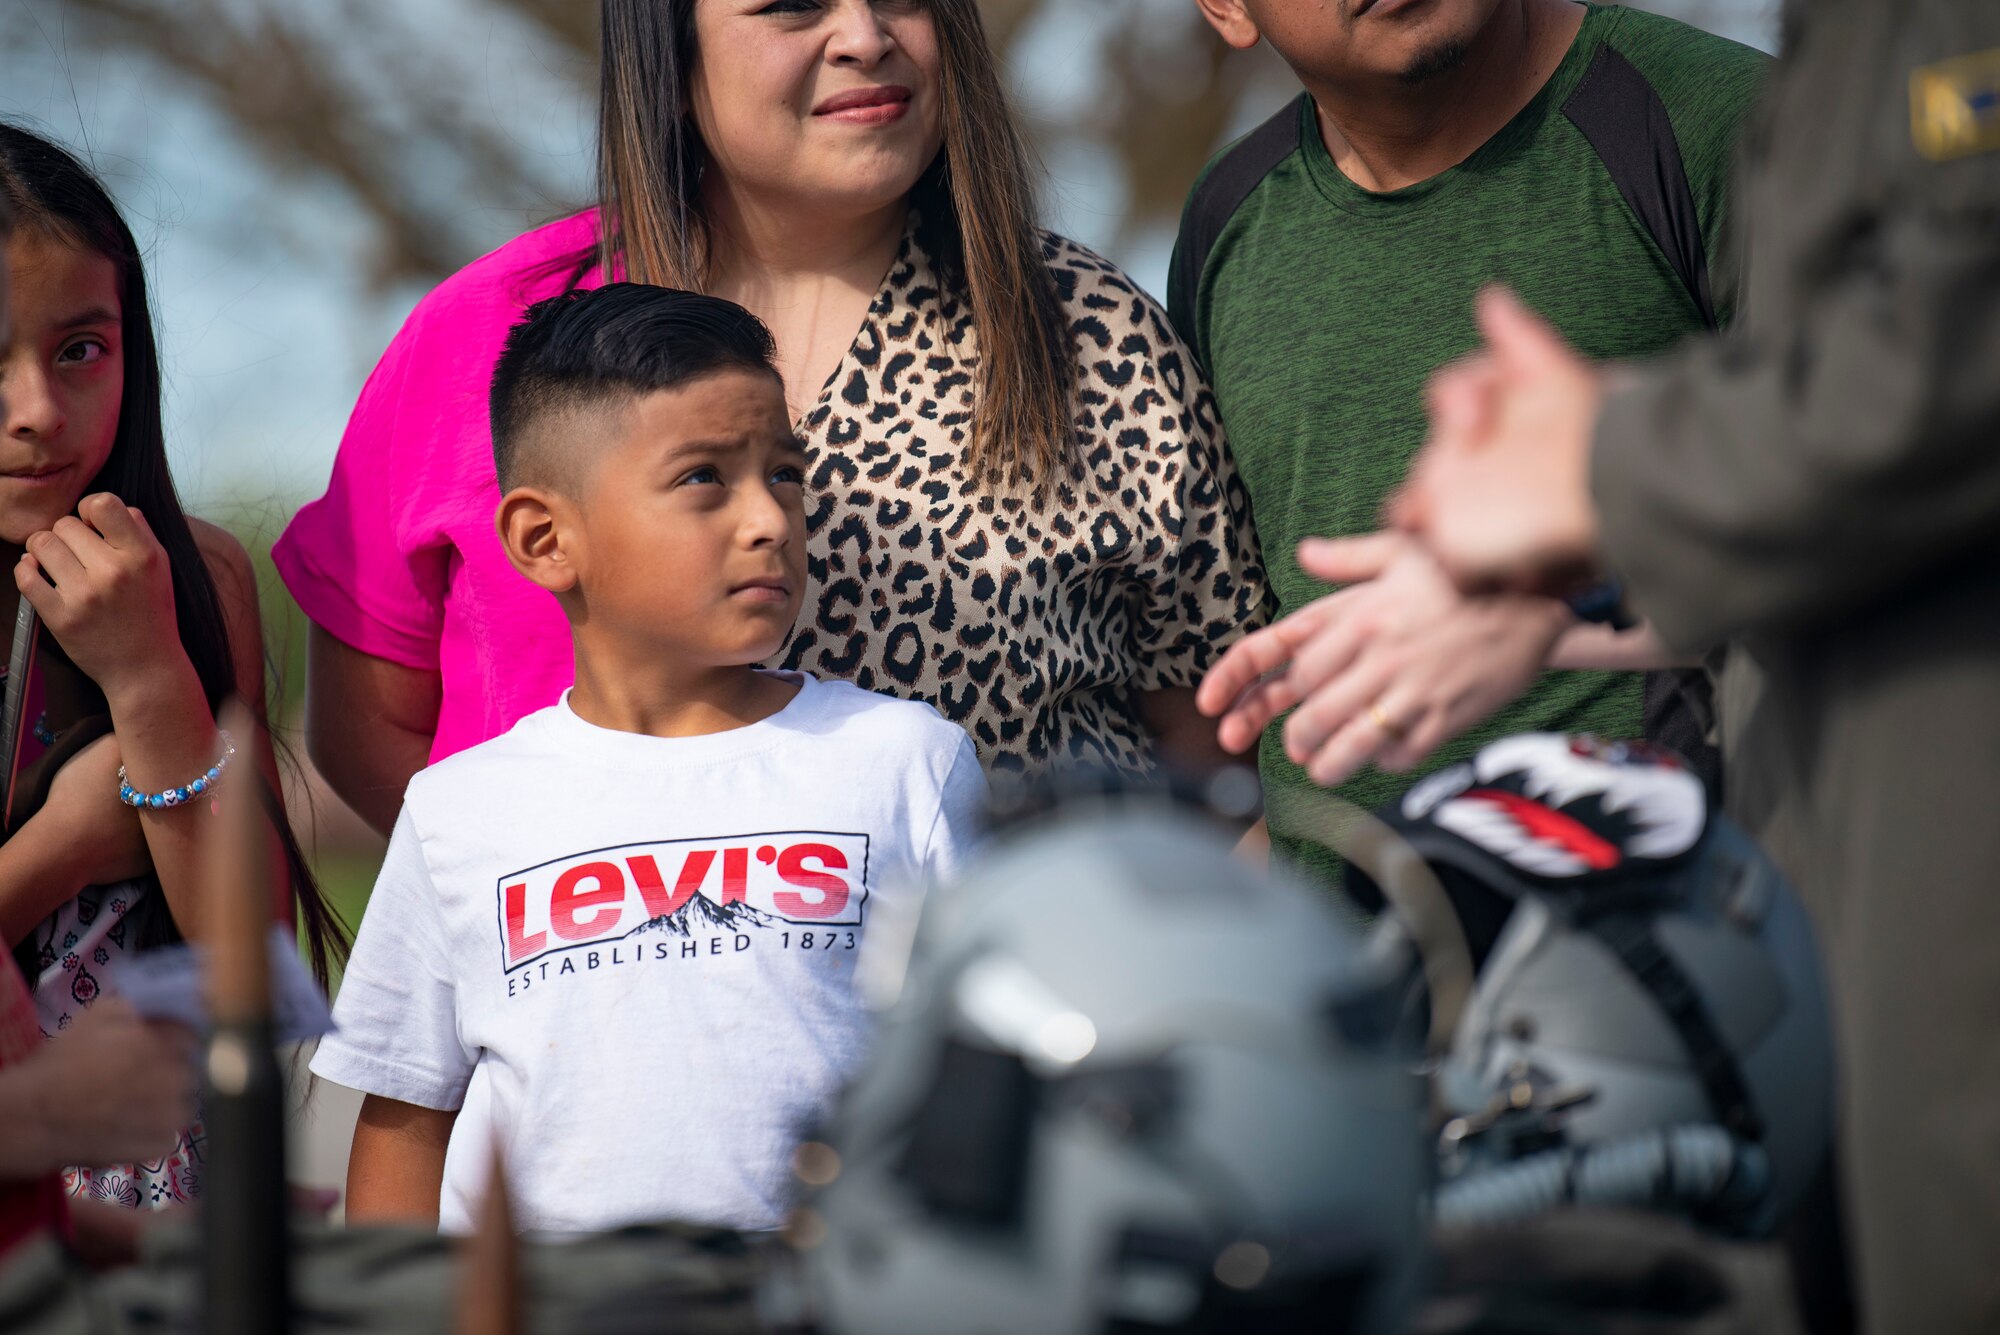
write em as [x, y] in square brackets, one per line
[681, 886]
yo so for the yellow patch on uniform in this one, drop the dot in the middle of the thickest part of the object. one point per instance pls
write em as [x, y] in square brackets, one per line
[1955, 106]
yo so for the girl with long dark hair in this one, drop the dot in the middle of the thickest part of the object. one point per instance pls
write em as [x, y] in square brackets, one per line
[1020, 509]
[149, 620]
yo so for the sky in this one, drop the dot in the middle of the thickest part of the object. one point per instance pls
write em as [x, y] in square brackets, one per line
[268, 325]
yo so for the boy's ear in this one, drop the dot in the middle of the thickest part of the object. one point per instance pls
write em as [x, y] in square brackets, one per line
[535, 528]
[1230, 19]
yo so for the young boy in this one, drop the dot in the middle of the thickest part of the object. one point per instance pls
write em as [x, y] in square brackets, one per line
[617, 943]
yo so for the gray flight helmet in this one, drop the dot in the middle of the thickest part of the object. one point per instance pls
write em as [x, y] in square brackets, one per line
[1643, 970]
[1127, 1082]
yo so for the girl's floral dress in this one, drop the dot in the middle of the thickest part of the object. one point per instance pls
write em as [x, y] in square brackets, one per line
[78, 950]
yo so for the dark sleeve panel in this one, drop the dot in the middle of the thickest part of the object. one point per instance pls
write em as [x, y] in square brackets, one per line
[1214, 201]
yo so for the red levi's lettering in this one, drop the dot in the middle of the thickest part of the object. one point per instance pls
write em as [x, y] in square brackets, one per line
[520, 943]
[653, 886]
[735, 875]
[813, 877]
[567, 903]
[830, 895]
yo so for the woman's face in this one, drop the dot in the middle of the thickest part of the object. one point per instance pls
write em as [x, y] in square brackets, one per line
[828, 104]
[62, 380]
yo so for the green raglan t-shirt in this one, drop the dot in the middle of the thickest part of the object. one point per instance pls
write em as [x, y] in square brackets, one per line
[1323, 308]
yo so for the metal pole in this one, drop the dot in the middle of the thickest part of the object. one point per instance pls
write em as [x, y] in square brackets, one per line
[489, 1276]
[246, 1256]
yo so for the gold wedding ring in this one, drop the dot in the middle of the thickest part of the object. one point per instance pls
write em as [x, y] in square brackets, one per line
[1381, 721]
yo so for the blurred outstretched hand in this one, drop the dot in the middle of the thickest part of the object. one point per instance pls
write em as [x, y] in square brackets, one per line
[1500, 493]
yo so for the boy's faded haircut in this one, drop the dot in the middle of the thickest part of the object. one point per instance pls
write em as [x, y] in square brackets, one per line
[601, 349]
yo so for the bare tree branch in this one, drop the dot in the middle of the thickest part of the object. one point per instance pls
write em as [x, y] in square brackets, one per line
[353, 93]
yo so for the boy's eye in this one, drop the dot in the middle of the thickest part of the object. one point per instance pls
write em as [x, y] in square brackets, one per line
[790, 474]
[788, 7]
[702, 476]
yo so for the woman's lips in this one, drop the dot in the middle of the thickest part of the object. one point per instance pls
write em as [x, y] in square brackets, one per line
[866, 106]
[35, 477]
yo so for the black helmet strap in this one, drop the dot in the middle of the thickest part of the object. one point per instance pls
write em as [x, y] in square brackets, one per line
[1630, 937]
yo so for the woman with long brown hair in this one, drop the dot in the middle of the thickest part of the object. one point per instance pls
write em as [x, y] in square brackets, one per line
[1020, 510]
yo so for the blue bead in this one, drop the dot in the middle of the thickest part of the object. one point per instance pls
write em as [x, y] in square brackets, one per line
[198, 785]
[215, 774]
[156, 801]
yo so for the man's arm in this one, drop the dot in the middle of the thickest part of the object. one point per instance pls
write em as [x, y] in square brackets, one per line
[1840, 445]
[1593, 648]
[395, 1171]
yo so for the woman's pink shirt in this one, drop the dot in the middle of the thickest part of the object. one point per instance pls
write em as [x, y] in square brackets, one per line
[399, 558]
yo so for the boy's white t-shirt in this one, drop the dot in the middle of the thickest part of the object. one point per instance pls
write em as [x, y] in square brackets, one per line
[628, 961]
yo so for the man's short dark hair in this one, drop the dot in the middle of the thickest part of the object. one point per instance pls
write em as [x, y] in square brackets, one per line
[601, 349]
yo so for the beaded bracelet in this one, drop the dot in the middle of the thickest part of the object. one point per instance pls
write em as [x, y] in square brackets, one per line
[174, 797]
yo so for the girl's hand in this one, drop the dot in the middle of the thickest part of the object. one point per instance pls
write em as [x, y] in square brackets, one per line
[113, 1088]
[101, 583]
[97, 836]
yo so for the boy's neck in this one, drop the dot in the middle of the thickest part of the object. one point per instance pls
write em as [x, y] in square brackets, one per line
[662, 701]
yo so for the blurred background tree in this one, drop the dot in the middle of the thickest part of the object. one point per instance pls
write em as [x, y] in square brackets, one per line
[382, 100]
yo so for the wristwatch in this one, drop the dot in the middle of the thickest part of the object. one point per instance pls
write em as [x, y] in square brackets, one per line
[1604, 604]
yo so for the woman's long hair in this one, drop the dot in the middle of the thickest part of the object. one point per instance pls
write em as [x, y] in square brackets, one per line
[54, 194]
[976, 203]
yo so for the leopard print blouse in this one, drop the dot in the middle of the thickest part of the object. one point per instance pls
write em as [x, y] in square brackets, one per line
[1032, 624]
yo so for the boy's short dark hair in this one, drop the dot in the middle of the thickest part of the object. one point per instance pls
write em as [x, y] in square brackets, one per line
[602, 348]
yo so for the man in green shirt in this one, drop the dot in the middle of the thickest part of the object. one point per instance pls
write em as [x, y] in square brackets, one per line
[1327, 265]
